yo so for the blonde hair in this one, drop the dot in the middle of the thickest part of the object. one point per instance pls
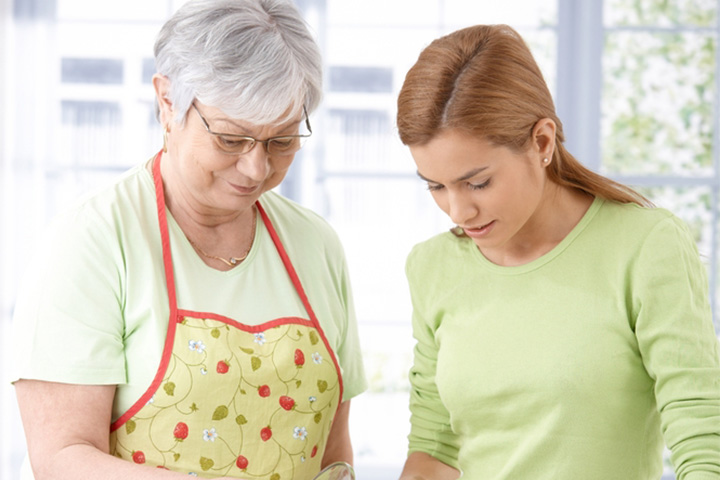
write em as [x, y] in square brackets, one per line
[483, 80]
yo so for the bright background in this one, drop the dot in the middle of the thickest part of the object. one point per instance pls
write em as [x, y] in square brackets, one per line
[635, 82]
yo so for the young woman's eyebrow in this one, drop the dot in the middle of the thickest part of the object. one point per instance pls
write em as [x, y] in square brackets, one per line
[462, 178]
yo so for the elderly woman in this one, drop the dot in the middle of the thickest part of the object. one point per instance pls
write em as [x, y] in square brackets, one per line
[191, 320]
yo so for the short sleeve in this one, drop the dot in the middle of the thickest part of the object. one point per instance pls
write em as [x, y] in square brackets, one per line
[430, 430]
[679, 348]
[349, 351]
[68, 323]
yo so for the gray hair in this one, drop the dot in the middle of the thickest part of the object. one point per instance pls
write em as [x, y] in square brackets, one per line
[253, 59]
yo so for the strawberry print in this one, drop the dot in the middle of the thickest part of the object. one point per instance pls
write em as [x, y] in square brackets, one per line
[232, 393]
[242, 462]
[222, 367]
[299, 358]
[181, 431]
[138, 457]
[287, 403]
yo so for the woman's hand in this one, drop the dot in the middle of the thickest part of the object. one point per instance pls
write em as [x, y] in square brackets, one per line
[67, 428]
[421, 466]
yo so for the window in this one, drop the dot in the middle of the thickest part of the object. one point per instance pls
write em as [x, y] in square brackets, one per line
[659, 110]
[635, 82]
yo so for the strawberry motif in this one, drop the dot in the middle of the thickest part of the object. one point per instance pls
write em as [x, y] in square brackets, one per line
[242, 462]
[222, 367]
[138, 457]
[181, 431]
[314, 452]
[287, 403]
[265, 434]
[299, 357]
[264, 391]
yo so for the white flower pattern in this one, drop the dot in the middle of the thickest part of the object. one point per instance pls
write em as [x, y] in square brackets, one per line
[299, 433]
[196, 346]
[210, 341]
[210, 435]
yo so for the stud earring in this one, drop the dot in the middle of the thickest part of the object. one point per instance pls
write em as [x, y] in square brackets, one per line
[546, 161]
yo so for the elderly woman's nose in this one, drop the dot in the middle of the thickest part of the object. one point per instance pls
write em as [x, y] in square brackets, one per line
[254, 164]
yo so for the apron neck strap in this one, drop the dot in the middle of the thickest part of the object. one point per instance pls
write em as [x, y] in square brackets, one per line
[288, 264]
[165, 237]
[167, 253]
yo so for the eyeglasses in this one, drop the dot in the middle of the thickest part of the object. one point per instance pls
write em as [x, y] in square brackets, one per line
[231, 144]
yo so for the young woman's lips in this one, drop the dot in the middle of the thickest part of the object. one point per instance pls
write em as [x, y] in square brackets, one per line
[479, 232]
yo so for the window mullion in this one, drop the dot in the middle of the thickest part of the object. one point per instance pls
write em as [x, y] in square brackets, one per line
[715, 208]
[579, 84]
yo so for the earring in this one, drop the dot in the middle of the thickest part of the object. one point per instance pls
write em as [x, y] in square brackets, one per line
[546, 161]
[165, 132]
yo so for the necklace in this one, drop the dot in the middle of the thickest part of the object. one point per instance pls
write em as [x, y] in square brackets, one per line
[232, 261]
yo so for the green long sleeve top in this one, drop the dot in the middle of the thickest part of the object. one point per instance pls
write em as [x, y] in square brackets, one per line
[578, 365]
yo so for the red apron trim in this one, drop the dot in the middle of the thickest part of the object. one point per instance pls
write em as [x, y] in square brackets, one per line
[167, 353]
[288, 264]
[241, 326]
[178, 315]
[162, 220]
[300, 290]
[172, 301]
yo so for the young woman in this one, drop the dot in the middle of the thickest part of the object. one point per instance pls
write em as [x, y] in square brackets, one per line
[563, 328]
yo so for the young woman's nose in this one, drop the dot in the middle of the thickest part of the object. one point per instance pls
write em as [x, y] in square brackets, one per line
[461, 209]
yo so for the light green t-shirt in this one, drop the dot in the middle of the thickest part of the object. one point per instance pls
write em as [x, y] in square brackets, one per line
[577, 365]
[97, 313]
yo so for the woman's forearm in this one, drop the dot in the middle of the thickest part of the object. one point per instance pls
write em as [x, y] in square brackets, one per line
[421, 466]
[67, 428]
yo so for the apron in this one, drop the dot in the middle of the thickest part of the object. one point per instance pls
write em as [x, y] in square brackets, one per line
[229, 399]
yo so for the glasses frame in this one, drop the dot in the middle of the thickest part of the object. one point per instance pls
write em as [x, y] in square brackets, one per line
[255, 141]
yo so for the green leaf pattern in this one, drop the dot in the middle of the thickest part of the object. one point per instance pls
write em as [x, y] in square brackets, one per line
[223, 414]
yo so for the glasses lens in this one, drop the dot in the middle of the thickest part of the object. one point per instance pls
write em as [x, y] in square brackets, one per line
[285, 145]
[234, 145]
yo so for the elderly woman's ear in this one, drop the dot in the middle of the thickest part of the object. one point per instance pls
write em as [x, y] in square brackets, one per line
[161, 84]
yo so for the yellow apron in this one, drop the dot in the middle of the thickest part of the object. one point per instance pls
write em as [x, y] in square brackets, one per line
[230, 399]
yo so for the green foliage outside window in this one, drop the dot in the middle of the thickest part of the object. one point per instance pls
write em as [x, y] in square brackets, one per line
[659, 107]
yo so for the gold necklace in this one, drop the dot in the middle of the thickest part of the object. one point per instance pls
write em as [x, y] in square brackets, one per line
[232, 261]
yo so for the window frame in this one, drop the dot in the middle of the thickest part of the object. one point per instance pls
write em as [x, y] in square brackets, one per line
[581, 41]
